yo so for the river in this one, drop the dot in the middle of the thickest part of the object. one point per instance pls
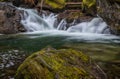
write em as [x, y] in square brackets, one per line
[92, 38]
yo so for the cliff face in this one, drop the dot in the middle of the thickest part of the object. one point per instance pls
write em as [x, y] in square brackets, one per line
[109, 10]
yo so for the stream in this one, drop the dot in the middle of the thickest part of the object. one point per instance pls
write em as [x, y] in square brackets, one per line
[92, 38]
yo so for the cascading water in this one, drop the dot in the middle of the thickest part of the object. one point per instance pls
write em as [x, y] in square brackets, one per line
[97, 25]
[33, 22]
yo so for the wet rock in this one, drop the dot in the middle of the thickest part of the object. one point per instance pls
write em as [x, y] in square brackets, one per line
[114, 69]
[73, 17]
[9, 62]
[10, 19]
[109, 10]
[59, 64]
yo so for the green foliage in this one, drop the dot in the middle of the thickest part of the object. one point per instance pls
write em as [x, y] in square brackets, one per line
[89, 7]
[56, 3]
[89, 3]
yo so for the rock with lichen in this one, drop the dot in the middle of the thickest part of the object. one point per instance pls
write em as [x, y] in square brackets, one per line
[50, 63]
[10, 19]
[109, 10]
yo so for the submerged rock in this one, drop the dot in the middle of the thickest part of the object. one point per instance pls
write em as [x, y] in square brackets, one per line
[59, 64]
[10, 19]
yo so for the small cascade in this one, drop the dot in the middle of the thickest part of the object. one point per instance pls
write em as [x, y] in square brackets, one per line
[97, 25]
[62, 25]
[32, 21]
[50, 20]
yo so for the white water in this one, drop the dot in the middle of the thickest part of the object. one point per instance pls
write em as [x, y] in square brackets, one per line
[33, 22]
[95, 30]
[97, 25]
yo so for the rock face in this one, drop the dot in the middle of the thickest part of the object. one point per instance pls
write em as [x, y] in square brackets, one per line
[10, 19]
[59, 64]
[109, 10]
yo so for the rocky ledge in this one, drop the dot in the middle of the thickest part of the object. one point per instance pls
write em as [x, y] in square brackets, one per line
[10, 19]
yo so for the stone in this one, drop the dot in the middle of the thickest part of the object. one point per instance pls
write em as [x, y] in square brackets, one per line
[10, 19]
[110, 12]
[50, 63]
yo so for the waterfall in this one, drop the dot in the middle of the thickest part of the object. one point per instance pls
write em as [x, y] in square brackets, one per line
[32, 21]
[97, 25]
[62, 25]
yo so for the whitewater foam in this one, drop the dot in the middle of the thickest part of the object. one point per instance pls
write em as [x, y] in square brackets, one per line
[95, 30]
[97, 25]
[34, 22]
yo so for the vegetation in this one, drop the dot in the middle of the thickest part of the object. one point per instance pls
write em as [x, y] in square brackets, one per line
[57, 64]
[56, 3]
[89, 3]
[89, 7]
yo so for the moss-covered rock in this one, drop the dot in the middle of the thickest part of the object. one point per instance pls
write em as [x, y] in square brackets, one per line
[59, 64]
[89, 7]
[56, 3]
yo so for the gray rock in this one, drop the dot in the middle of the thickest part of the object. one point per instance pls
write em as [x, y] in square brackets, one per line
[10, 19]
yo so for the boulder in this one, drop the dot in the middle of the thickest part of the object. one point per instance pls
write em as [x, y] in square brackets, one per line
[50, 63]
[10, 19]
[109, 10]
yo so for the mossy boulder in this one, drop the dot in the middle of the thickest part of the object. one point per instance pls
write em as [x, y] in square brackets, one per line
[89, 7]
[59, 64]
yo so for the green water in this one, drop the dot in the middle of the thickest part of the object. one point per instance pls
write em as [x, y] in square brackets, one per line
[102, 52]
[34, 42]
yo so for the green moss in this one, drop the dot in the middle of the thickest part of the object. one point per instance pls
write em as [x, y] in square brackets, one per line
[89, 7]
[89, 3]
[56, 3]
[51, 63]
